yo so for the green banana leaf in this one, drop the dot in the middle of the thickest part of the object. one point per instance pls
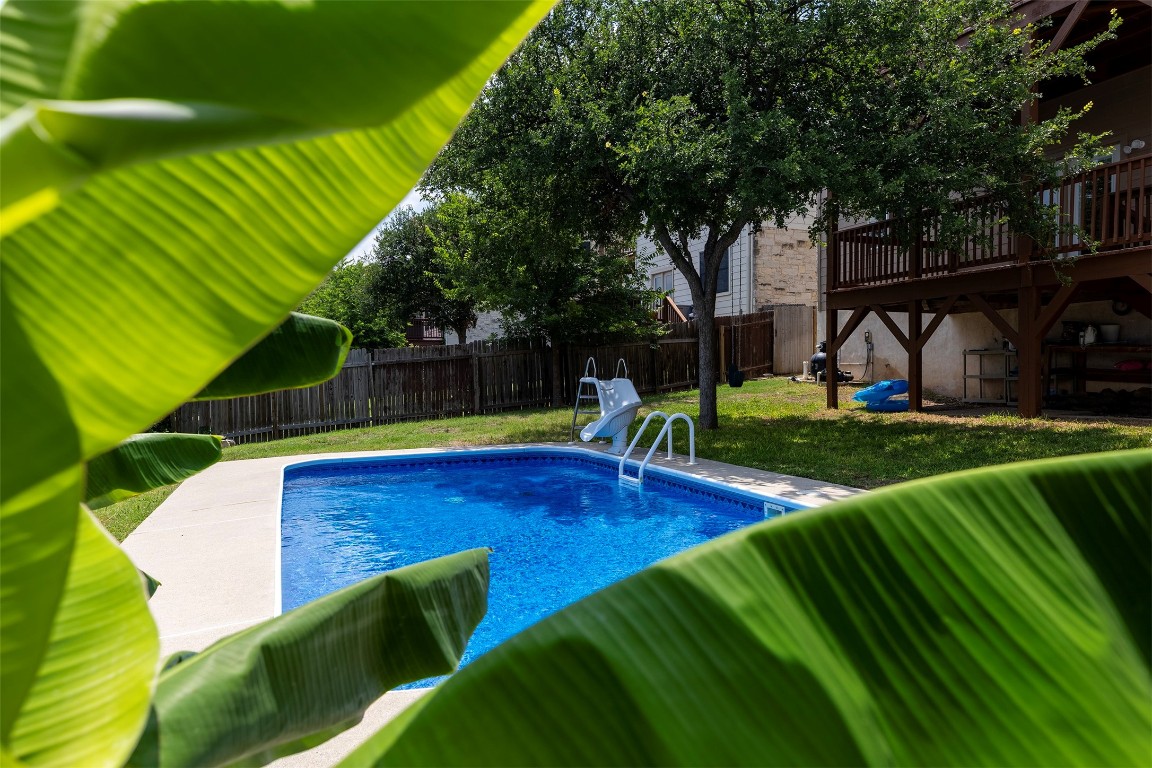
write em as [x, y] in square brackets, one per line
[37, 513]
[90, 698]
[269, 690]
[147, 461]
[301, 352]
[177, 177]
[147, 81]
[991, 617]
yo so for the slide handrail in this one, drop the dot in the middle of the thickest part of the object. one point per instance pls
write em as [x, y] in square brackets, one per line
[664, 430]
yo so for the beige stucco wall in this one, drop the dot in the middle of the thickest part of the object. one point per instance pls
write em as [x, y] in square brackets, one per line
[784, 268]
[943, 358]
[943, 362]
[1119, 105]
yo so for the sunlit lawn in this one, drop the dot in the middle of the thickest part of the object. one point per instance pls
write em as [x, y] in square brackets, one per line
[771, 424]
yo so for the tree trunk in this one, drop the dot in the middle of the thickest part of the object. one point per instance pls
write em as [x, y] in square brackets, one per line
[461, 333]
[702, 286]
[706, 344]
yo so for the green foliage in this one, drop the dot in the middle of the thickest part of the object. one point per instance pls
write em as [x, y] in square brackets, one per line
[344, 297]
[163, 210]
[410, 277]
[546, 279]
[144, 462]
[90, 695]
[694, 118]
[312, 347]
[920, 124]
[221, 706]
[994, 617]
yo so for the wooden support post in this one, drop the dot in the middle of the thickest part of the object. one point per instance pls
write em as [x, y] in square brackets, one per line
[915, 358]
[941, 313]
[1030, 397]
[1012, 334]
[1068, 25]
[831, 376]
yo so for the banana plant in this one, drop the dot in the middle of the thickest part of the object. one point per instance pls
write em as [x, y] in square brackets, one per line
[177, 177]
[992, 617]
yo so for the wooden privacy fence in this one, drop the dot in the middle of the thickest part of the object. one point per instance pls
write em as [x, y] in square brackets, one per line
[673, 362]
[391, 385]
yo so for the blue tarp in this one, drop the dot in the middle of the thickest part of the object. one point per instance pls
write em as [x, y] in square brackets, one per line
[881, 390]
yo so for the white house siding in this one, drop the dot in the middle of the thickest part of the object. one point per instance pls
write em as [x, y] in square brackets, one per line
[773, 266]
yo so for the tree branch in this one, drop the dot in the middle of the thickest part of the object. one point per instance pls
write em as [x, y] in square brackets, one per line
[681, 259]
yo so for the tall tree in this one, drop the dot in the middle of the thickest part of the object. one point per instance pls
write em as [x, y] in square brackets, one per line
[411, 278]
[696, 118]
[343, 297]
[544, 277]
[541, 274]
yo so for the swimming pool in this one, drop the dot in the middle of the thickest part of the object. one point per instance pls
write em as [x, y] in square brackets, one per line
[559, 522]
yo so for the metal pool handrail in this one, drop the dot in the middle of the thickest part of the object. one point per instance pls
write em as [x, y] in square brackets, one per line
[666, 429]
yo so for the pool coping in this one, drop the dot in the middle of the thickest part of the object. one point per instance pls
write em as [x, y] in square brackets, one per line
[214, 545]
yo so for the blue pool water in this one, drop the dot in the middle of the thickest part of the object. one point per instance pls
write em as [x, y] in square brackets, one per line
[560, 526]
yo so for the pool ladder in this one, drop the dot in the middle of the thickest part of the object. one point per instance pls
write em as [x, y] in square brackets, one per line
[588, 389]
[664, 430]
[589, 381]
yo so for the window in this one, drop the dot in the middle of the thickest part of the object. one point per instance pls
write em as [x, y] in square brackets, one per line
[722, 275]
[663, 282]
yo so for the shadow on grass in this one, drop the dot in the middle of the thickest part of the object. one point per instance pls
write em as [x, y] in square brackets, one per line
[869, 451]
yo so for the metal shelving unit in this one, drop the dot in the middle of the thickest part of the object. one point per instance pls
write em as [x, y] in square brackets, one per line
[995, 369]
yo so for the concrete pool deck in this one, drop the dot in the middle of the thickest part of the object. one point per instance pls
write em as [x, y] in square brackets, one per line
[214, 546]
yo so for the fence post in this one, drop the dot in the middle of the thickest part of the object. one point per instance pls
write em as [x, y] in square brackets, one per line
[654, 358]
[274, 402]
[373, 417]
[474, 359]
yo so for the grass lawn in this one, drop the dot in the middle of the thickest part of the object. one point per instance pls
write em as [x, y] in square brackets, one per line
[771, 424]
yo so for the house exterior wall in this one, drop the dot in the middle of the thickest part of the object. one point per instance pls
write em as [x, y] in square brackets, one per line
[943, 358]
[943, 362]
[488, 326]
[766, 268]
[736, 300]
[785, 266]
[1119, 105]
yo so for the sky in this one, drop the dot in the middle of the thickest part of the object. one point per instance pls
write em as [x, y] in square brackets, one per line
[412, 199]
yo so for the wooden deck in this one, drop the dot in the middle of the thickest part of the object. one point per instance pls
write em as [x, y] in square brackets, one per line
[1111, 204]
[869, 270]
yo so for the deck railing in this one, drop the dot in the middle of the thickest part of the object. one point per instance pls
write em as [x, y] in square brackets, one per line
[1111, 204]
[421, 332]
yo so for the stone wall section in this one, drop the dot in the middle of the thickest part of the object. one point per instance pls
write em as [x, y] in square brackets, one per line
[785, 262]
